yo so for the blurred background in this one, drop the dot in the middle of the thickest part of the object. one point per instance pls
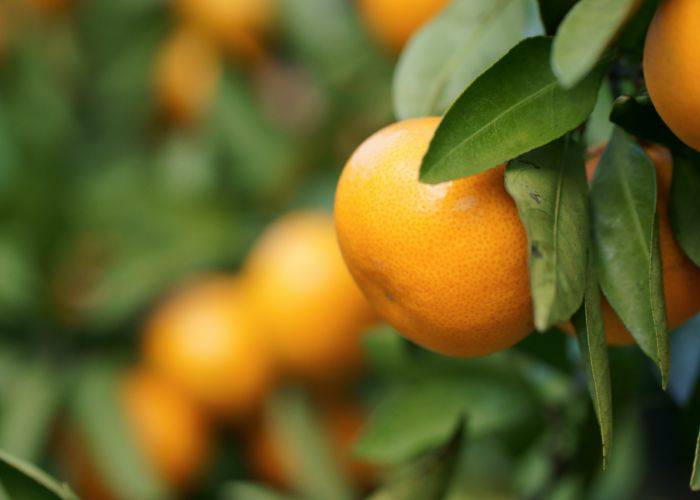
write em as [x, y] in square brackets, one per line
[174, 314]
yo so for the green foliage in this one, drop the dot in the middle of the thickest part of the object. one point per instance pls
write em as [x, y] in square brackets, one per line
[519, 94]
[19, 479]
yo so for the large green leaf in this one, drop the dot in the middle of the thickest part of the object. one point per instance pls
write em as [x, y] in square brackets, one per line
[588, 29]
[515, 106]
[590, 334]
[420, 416]
[695, 476]
[428, 477]
[626, 240]
[550, 189]
[451, 51]
[684, 205]
[21, 480]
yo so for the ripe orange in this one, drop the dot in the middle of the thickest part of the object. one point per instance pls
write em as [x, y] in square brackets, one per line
[394, 21]
[204, 341]
[237, 26]
[272, 463]
[445, 264]
[672, 67]
[306, 299]
[680, 276]
[186, 76]
[167, 428]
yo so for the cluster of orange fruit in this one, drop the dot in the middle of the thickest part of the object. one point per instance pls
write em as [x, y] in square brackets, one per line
[214, 350]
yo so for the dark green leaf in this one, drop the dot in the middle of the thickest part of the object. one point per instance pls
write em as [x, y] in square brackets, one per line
[550, 189]
[588, 29]
[420, 416]
[638, 117]
[695, 476]
[20, 480]
[590, 334]
[515, 106]
[626, 240]
[97, 411]
[428, 477]
[684, 205]
[552, 13]
[249, 491]
[451, 51]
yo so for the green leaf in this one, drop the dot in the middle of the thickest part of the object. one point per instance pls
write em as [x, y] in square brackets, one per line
[588, 29]
[550, 190]
[312, 465]
[684, 205]
[241, 490]
[97, 411]
[553, 12]
[29, 408]
[599, 128]
[453, 49]
[22, 480]
[590, 334]
[695, 476]
[626, 240]
[515, 106]
[428, 477]
[638, 117]
[420, 416]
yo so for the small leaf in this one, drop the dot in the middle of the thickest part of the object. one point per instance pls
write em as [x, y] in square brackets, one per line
[241, 490]
[695, 476]
[553, 12]
[638, 117]
[590, 334]
[626, 241]
[684, 205]
[428, 477]
[19, 480]
[588, 29]
[550, 189]
[599, 128]
[451, 51]
[514, 107]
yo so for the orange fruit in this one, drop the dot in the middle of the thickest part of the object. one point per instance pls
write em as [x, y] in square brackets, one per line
[274, 464]
[445, 264]
[168, 429]
[187, 74]
[680, 276]
[237, 26]
[204, 341]
[672, 67]
[305, 298]
[394, 21]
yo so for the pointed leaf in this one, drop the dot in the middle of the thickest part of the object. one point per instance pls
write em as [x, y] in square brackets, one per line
[695, 476]
[514, 107]
[451, 51]
[599, 128]
[626, 242]
[588, 29]
[19, 479]
[590, 334]
[550, 189]
[684, 205]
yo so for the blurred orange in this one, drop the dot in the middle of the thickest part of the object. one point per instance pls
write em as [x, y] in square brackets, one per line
[680, 276]
[394, 21]
[187, 74]
[305, 298]
[342, 421]
[47, 6]
[237, 26]
[203, 340]
[167, 428]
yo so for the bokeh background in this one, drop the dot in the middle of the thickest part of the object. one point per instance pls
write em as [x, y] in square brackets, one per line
[147, 148]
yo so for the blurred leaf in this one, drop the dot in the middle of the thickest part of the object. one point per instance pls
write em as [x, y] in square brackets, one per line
[98, 413]
[452, 50]
[386, 349]
[683, 373]
[312, 465]
[240, 490]
[590, 334]
[20, 480]
[421, 415]
[19, 285]
[638, 117]
[428, 477]
[567, 488]
[482, 472]
[588, 29]
[512, 108]
[553, 12]
[599, 128]
[684, 205]
[550, 190]
[695, 476]
[28, 412]
[626, 241]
